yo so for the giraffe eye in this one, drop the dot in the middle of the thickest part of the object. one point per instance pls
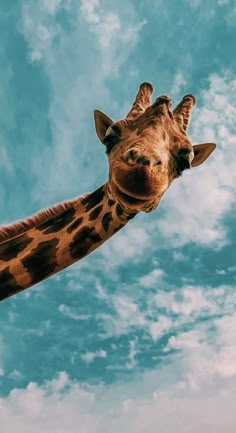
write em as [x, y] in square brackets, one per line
[182, 164]
[111, 138]
[183, 160]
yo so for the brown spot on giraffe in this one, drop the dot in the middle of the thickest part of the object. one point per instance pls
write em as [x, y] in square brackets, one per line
[8, 285]
[95, 212]
[94, 199]
[119, 210]
[146, 151]
[42, 260]
[72, 227]
[10, 249]
[58, 222]
[82, 242]
[111, 202]
[106, 220]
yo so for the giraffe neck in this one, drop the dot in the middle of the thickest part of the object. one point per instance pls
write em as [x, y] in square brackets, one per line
[59, 241]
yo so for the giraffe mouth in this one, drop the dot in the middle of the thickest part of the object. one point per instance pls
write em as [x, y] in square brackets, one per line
[129, 199]
[137, 183]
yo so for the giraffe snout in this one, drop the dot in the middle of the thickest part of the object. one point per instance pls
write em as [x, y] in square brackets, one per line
[133, 157]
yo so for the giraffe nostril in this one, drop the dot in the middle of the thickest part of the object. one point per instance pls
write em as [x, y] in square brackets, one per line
[143, 160]
[132, 155]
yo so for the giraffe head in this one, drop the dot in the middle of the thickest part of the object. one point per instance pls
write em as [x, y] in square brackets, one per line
[148, 149]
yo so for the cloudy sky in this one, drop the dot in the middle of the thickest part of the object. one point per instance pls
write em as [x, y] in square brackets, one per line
[140, 336]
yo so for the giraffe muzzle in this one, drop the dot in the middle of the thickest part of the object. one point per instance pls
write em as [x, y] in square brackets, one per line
[139, 181]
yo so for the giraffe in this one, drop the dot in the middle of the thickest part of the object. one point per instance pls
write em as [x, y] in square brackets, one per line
[146, 151]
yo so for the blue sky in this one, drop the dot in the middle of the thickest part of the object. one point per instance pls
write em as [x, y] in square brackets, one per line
[141, 333]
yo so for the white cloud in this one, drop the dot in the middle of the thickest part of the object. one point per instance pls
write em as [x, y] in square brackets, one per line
[158, 328]
[43, 408]
[151, 279]
[53, 6]
[15, 375]
[107, 25]
[90, 356]
[4, 160]
[179, 256]
[128, 244]
[126, 315]
[165, 310]
[42, 30]
[220, 271]
[90, 10]
[178, 82]
[187, 340]
[125, 307]
[58, 383]
[223, 2]
[225, 360]
[230, 17]
[206, 352]
[132, 354]
[187, 301]
[67, 311]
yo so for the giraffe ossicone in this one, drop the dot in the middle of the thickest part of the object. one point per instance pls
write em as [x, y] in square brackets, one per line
[146, 151]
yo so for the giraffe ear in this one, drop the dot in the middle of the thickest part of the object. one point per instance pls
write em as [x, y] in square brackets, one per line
[201, 153]
[102, 123]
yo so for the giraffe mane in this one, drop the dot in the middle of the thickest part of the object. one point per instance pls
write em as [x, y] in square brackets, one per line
[10, 231]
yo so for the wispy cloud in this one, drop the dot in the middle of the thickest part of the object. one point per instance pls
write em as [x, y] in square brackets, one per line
[90, 356]
[67, 311]
[189, 301]
[178, 83]
[151, 279]
[5, 161]
[15, 375]
[129, 243]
